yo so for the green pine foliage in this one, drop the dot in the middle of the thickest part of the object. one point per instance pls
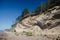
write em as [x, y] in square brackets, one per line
[24, 13]
[40, 9]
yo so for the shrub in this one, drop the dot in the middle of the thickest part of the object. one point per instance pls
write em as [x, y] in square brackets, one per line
[27, 33]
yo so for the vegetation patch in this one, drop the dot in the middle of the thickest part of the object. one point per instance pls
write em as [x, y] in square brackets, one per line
[27, 33]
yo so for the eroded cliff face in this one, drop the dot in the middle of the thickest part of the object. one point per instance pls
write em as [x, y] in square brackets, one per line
[43, 24]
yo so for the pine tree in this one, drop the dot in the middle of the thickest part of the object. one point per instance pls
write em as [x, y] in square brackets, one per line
[52, 3]
[25, 12]
[38, 9]
[44, 6]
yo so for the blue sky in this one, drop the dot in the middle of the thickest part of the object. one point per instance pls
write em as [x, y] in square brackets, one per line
[11, 9]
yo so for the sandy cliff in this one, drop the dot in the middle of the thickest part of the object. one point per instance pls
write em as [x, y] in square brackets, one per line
[45, 24]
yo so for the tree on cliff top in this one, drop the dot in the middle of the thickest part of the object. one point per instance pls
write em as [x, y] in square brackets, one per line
[25, 12]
